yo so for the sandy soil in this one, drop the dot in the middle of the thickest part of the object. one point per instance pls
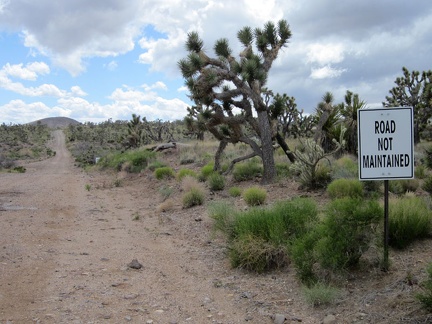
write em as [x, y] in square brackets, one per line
[67, 239]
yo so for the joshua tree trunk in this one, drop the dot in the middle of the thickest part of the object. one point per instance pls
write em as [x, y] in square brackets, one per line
[267, 156]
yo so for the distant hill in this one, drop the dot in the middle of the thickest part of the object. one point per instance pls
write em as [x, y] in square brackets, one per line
[56, 122]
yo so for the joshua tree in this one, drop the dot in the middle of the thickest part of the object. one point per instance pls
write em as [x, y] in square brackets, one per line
[230, 90]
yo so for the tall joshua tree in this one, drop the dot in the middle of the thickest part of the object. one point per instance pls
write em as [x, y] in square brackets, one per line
[221, 84]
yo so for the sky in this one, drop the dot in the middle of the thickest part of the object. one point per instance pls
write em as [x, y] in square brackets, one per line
[108, 59]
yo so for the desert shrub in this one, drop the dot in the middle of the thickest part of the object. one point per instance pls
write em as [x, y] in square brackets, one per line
[193, 197]
[164, 173]
[266, 233]
[428, 156]
[371, 186]
[256, 254]
[427, 184]
[302, 253]
[185, 172]
[340, 188]
[247, 170]
[283, 170]
[425, 297]
[234, 191]
[216, 181]
[345, 167]
[165, 192]
[420, 171]
[155, 165]
[136, 159]
[206, 170]
[346, 231]
[399, 187]
[320, 294]
[165, 206]
[19, 169]
[409, 220]
[223, 214]
[189, 182]
[255, 196]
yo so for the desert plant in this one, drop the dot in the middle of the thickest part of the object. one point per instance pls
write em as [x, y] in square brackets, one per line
[320, 294]
[247, 170]
[223, 214]
[165, 206]
[425, 297]
[283, 170]
[420, 171]
[155, 165]
[164, 173]
[136, 160]
[234, 191]
[427, 184]
[347, 231]
[185, 172]
[345, 167]
[409, 220]
[340, 188]
[216, 181]
[255, 196]
[399, 187]
[193, 197]
[302, 253]
[165, 192]
[206, 170]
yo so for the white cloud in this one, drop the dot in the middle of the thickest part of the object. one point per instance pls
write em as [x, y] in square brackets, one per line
[111, 66]
[325, 53]
[326, 72]
[77, 91]
[29, 72]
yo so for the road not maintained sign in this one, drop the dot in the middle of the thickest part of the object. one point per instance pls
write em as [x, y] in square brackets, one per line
[385, 143]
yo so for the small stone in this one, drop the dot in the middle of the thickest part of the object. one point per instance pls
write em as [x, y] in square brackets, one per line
[329, 319]
[279, 319]
[159, 311]
[135, 264]
[128, 318]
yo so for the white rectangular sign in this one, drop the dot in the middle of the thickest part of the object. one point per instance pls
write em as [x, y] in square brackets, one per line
[385, 143]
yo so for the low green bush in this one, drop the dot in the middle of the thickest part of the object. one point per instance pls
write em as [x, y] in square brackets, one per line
[206, 170]
[400, 187]
[193, 197]
[185, 172]
[136, 159]
[223, 214]
[340, 188]
[320, 294]
[234, 191]
[283, 170]
[409, 219]
[420, 171]
[255, 196]
[164, 173]
[216, 181]
[427, 184]
[425, 297]
[155, 165]
[247, 171]
[345, 168]
[347, 231]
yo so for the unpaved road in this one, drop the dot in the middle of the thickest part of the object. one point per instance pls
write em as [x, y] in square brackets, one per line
[65, 250]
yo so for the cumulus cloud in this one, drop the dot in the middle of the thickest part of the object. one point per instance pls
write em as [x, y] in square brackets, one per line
[30, 71]
[326, 72]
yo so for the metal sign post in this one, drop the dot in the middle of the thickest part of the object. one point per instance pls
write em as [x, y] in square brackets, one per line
[385, 151]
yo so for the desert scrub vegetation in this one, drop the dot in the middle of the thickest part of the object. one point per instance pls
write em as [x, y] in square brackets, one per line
[320, 294]
[345, 167]
[164, 173]
[194, 193]
[205, 171]
[247, 170]
[183, 172]
[235, 192]
[216, 181]
[425, 297]
[133, 161]
[410, 219]
[258, 239]
[255, 196]
[341, 188]
[400, 187]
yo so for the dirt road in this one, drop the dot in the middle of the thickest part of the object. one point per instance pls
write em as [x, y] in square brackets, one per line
[67, 237]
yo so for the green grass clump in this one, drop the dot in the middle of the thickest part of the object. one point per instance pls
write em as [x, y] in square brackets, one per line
[283, 170]
[193, 197]
[320, 294]
[259, 238]
[255, 196]
[427, 184]
[164, 173]
[216, 181]
[345, 167]
[400, 187]
[235, 191]
[409, 220]
[206, 170]
[340, 188]
[420, 171]
[426, 296]
[223, 214]
[185, 172]
[247, 171]
[136, 160]
[346, 231]
[155, 165]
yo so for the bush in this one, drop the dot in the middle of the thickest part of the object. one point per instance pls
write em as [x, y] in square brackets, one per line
[426, 297]
[266, 233]
[302, 253]
[206, 170]
[234, 191]
[155, 165]
[164, 173]
[255, 196]
[345, 167]
[136, 159]
[340, 188]
[346, 231]
[409, 219]
[320, 294]
[283, 170]
[223, 214]
[216, 181]
[420, 171]
[399, 187]
[185, 172]
[193, 197]
[427, 184]
[247, 171]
